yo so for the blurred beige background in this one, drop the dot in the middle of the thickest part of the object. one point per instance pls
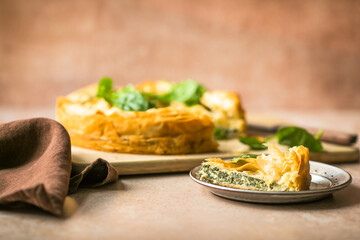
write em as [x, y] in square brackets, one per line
[275, 54]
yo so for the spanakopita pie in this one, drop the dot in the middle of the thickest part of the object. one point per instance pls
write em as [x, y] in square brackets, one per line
[154, 117]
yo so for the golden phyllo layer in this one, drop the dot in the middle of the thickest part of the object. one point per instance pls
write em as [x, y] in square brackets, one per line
[93, 123]
[278, 171]
[223, 107]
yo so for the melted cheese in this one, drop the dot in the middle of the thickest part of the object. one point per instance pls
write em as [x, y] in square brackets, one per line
[226, 110]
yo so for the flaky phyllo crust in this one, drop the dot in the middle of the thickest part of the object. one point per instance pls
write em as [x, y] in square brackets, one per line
[93, 123]
[285, 171]
[176, 129]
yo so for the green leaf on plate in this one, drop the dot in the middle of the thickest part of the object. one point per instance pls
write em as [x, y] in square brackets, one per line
[241, 159]
[253, 143]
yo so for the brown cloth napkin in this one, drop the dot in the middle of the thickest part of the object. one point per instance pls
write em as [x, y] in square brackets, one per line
[96, 174]
[35, 165]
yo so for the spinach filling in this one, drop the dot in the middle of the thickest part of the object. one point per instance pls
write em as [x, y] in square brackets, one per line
[219, 176]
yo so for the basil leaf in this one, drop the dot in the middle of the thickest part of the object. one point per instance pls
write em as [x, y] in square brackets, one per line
[248, 155]
[104, 88]
[188, 92]
[240, 160]
[127, 99]
[253, 143]
[295, 136]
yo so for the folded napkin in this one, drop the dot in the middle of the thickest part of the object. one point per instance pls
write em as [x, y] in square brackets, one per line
[35, 165]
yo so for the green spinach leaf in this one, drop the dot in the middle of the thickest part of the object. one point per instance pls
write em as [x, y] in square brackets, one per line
[253, 143]
[188, 92]
[240, 160]
[248, 155]
[127, 99]
[296, 136]
[219, 133]
[105, 88]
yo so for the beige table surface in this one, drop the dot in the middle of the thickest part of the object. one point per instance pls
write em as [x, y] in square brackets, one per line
[171, 206]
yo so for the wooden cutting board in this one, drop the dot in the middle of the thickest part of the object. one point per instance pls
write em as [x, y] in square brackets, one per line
[127, 164]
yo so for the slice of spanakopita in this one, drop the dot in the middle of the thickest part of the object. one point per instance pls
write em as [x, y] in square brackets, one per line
[277, 171]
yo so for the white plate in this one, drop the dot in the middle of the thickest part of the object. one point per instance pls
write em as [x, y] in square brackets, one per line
[325, 179]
